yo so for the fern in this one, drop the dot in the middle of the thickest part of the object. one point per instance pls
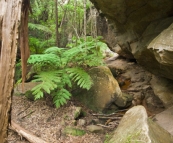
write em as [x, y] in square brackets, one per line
[57, 67]
[81, 77]
[39, 27]
[54, 50]
[40, 61]
[48, 82]
[60, 97]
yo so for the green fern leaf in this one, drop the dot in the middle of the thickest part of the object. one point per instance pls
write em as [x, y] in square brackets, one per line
[39, 27]
[81, 77]
[48, 82]
[54, 50]
[61, 97]
[63, 100]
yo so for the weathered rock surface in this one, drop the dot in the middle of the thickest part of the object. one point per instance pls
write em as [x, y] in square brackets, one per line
[165, 120]
[21, 89]
[136, 127]
[134, 80]
[104, 92]
[94, 128]
[159, 54]
[138, 30]
[163, 88]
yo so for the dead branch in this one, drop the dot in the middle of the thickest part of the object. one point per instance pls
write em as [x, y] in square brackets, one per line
[107, 115]
[101, 125]
[104, 126]
[115, 113]
[23, 111]
[26, 134]
[28, 114]
[112, 118]
[131, 90]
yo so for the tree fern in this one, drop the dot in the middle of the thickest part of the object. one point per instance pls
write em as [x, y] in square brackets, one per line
[54, 50]
[39, 27]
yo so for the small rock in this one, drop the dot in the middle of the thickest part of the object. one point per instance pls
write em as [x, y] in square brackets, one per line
[94, 128]
[95, 121]
[81, 122]
[76, 112]
[74, 122]
[63, 123]
[92, 121]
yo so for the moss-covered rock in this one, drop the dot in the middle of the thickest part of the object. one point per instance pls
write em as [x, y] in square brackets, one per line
[104, 92]
[73, 131]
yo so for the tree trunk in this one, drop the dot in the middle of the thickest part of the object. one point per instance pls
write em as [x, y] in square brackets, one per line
[85, 22]
[56, 19]
[10, 18]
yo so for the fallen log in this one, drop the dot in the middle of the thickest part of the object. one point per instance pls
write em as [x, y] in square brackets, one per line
[26, 134]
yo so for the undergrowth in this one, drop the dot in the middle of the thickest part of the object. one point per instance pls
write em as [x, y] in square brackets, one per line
[57, 69]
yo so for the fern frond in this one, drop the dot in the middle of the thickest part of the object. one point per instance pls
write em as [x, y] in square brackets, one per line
[39, 27]
[44, 60]
[49, 81]
[54, 50]
[66, 79]
[72, 52]
[47, 43]
[91, 61]
[54, 68]
[81, 77]
[60, 97]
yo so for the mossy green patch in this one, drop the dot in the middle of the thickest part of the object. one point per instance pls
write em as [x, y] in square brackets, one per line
[73, 131]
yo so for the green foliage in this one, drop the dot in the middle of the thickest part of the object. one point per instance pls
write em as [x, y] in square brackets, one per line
[58, 68]
[81, 77]
[39, 27]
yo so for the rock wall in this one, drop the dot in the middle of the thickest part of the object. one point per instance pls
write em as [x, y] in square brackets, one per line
[141, 30]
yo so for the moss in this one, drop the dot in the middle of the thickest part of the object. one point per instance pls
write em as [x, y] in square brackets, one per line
[73, 131]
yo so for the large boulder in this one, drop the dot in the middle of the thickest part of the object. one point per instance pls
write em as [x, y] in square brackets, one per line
[104, 92]
[136, 24]
[136, 127]
[159, 53]
[163, 88]
[164, 119]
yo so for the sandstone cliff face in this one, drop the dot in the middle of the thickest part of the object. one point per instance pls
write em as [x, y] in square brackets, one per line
[143, 31]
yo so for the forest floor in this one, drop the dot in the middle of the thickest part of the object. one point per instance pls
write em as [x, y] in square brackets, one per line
[45, 121]
[48, 123]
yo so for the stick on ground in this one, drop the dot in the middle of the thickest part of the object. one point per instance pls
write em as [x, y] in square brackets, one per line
[26, 134]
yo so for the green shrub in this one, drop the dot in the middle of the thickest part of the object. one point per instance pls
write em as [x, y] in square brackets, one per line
[57, 68]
